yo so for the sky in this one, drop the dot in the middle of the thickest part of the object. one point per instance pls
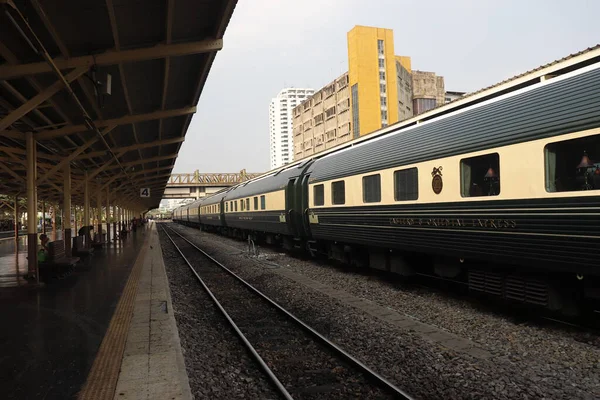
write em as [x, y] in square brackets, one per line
[272, 44]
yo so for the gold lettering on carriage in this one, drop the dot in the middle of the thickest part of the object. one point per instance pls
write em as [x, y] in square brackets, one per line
[456, 222]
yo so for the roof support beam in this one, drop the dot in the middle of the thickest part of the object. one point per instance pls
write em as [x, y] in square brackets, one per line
[39, 99]
[112, 57]
[128, 119]
[73, 155]
[130, 148]
[11, 172]
[99, 170]
[148, 160]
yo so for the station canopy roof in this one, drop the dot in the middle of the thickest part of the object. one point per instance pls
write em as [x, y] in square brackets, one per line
[58, 61]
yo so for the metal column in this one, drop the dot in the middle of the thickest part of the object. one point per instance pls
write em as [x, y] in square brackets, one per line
[16, 210]
[66, 220]
[99, 213]
[86, 211]
[115, 218]
[44, 217]
[107, 216]
[31, 207]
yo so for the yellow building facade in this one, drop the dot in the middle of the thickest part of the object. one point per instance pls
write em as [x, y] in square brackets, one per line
[373, 78]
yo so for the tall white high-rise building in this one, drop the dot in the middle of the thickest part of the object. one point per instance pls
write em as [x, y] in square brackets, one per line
[281, 134]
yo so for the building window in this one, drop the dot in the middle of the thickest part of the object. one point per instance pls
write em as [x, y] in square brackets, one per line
[383, 101]
[406, 184]
[355, 119]
[383, 115]
[381, 76]
[573, 165]
[256, 203]
[338, 192]
[263, 204]
[380, 47]
[381, 63]
[382, 88]
[480, 176]
[319, 195]
[371, 188]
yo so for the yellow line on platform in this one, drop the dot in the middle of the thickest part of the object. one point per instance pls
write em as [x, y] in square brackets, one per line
[102, 379]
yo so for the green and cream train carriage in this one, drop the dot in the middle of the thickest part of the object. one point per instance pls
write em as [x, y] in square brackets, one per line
[505, 193]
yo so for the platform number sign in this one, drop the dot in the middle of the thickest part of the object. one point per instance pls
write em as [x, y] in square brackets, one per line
[145, 192]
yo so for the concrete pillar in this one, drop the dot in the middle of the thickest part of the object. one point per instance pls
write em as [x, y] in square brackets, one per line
[32, 264]
[86, 211]
[66, 219]
[107, 216]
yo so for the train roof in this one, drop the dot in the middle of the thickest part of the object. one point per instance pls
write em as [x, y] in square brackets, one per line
[269, 183]
[556, 106]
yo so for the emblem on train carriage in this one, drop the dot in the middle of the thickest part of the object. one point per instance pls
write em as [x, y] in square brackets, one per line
[437, 184]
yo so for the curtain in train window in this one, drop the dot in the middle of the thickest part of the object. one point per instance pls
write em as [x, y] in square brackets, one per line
[480, 176]
[338, 192]
[371, 188]
[573, 165]
[406, 184]
[319, 195]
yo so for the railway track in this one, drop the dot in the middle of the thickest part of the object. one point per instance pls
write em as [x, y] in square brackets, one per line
[300, 362]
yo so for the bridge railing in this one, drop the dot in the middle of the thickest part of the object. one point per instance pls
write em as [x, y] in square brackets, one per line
[210, 179]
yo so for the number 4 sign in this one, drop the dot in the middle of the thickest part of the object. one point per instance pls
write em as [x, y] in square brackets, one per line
[145, 192]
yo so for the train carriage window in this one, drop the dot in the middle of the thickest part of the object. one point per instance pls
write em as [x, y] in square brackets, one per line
[480, 176]
[226, 207]
[248, 204]
[263, 204]
[319, 195]
[338, 192]
[255, 203]
[371, 188]
[573, 165]
[235, 204]
[406, 184]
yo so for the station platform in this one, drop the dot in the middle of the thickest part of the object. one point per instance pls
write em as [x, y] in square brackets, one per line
[72, 338]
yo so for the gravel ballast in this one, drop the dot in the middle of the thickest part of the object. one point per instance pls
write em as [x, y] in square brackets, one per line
[527, 361]
[218, 366]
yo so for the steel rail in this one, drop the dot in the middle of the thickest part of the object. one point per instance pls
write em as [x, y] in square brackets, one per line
[282, 390]
[355, 362]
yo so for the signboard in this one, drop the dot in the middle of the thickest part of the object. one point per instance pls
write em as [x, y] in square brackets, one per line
[145, 192]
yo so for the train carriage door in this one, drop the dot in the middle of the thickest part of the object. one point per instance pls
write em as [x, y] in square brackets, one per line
[290, 206]
[302, 193]
[222, 213]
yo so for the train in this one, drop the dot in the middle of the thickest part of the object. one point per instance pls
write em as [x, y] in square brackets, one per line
[503, 195]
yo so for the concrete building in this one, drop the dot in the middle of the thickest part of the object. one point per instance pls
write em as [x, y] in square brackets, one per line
[451, 96]
[281, 149]
[323, 121]
[379, 89]
[428, 91]
[374, 72]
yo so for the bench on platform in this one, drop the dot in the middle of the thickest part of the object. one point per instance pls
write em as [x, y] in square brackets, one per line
[57, 264]
[79, 249]
[99, 240]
